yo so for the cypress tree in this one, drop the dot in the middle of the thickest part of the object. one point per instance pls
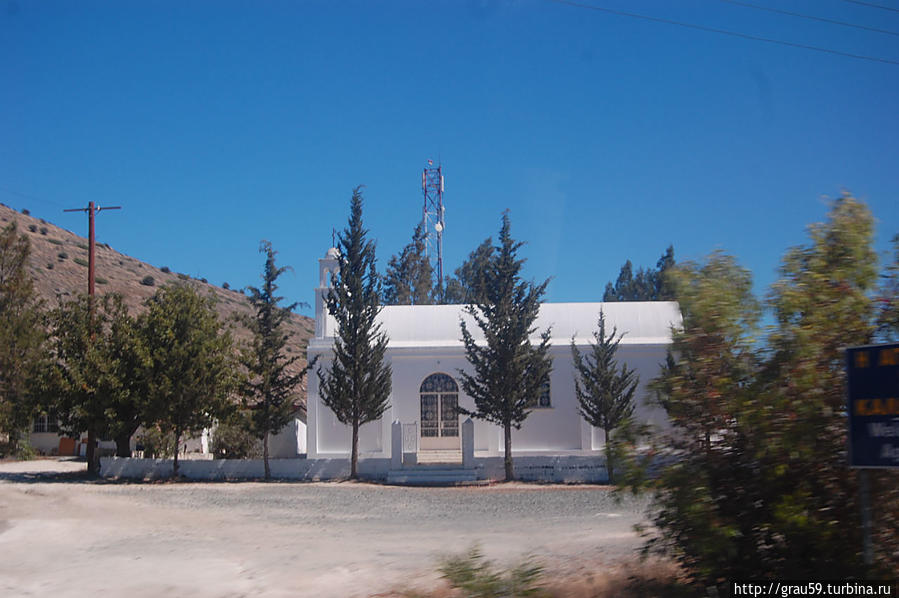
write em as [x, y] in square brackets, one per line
[270, 389]
[509, 372]
[410, 277]
[605, 392]
[467, 285]
[356, 387]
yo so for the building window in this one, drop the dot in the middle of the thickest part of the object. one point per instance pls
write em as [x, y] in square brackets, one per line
[45, 423]
[439, 399]
[544, 401]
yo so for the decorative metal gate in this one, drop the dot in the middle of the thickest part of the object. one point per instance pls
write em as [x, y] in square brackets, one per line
[439, 417]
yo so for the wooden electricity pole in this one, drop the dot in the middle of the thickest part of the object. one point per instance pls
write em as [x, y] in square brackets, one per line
[91, 209]
[91, 453]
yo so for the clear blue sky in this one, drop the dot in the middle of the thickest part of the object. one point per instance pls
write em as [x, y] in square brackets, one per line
[218, 124]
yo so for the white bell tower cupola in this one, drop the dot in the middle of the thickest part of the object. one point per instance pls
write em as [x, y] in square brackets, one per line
[327, 266]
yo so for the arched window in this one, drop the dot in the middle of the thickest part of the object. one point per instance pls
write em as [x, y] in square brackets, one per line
[439, 399]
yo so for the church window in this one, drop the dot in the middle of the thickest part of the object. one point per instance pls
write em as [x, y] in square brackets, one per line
[544, 401]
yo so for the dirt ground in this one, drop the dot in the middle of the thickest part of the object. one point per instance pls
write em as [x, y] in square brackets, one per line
[63, 534]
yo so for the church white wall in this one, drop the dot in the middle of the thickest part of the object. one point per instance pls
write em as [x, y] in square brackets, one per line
[556, 430]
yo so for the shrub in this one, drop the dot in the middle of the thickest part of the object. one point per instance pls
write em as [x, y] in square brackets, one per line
[231, 440]
[155, 444]
[49, 265]
[43, 221]
[226, 286]
[81, 261]
[62, 255]
[476, 576]
[203, 280]
[165, 269]
[55, 241]
[82, 246]
[32, 228]
[26, 211]
[183, 276]
[44, 230]
[101, 280]
[147, 281]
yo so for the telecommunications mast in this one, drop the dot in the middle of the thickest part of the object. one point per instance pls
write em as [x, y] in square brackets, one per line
[432, 214]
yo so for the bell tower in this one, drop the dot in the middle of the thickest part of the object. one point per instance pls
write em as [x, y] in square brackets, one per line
[327, 266]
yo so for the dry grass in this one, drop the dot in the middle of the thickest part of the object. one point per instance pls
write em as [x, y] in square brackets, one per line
[638, 579]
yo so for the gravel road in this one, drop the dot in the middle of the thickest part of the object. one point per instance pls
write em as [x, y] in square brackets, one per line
[60, 534]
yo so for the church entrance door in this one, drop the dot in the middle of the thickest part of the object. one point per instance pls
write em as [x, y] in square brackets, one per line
[439, 418]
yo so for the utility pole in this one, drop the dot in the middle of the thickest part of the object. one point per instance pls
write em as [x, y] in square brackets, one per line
[93, 464]
[91, 210]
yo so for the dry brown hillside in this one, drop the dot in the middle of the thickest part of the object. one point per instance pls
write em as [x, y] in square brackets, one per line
[59, 267]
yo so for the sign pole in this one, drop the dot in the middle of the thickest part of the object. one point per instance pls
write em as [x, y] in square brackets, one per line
[865, 496]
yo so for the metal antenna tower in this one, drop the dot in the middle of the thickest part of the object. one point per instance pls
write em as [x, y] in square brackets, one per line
[433, 214]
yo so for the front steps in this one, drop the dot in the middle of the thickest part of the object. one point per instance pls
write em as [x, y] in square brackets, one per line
[439, 456]
[434, 475]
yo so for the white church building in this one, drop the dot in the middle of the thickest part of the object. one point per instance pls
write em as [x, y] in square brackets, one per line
[425, 353]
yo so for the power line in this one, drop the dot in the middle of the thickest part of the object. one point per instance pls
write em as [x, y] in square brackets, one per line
[810, 17]
[872, 5]
[725, 32]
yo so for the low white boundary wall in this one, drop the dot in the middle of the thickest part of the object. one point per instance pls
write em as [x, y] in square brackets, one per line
[531, 468]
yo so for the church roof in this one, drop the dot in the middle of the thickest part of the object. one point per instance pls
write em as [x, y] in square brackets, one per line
[642, 322]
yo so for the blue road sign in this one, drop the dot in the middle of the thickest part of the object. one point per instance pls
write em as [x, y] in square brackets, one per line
[873, 407]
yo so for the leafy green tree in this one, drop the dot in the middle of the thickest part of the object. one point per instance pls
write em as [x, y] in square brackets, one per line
[605, 391]
[126, 373]
[888, 299]
[509, 372]
[410, 277]
[22, 336]
[271, 389]
[646, 285]
[467, 285]
[99, 379]
[700, 496]
[356, 387]
[760, 481]
[191, 362]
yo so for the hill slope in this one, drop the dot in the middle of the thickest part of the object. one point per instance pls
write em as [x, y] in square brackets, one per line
[59, 268]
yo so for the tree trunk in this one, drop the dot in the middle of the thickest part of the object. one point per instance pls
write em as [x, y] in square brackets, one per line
[609, 464]
[268, 472]
[510, 472]
[123, 445]
[177, 448]
[354, 457]
[93, 463]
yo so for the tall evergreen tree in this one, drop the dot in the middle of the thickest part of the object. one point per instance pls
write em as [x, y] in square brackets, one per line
[270, 390]
[410, 276]
[467, 285]
[646, 284]
[509, 372]
[605, 391]
[191, 362]
[356, 387]
[22, 336]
